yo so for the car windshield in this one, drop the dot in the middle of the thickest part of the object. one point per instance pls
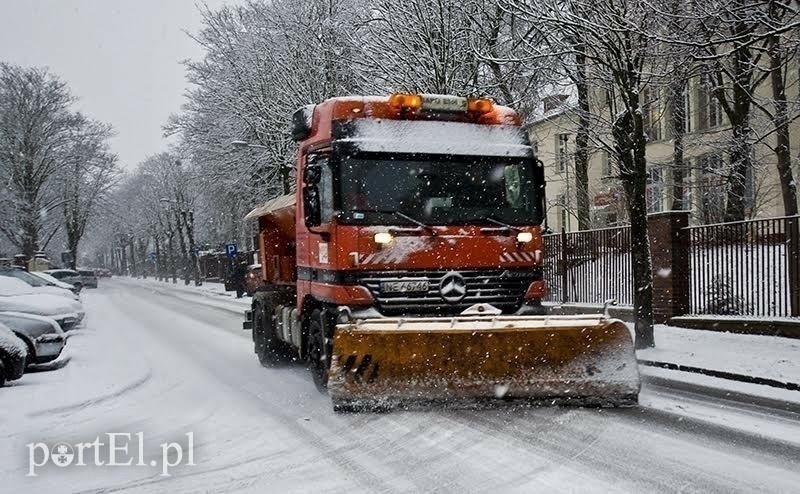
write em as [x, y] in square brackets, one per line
[23, 276]
[46, 277]
[439, 189]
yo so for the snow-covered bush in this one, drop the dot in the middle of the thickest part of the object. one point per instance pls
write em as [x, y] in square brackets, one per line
[723, 299]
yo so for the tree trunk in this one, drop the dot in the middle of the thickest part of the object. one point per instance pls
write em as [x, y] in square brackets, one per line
[192, 248]
[124, 258]
[582, 140]
[182, 243]
[158, 264]
[741, 164]
[678, 111]
[134, 271]
[783, 152]
[630, 147]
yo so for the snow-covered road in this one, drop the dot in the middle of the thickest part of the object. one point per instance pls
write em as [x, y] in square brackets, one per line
[165, 364]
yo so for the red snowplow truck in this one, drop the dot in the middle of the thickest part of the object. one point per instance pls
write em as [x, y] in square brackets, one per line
[408, 264]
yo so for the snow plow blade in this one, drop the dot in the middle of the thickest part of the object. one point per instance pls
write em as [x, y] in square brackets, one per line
[384, 363]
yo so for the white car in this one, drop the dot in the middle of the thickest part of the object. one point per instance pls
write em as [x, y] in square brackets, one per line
[37, 283]
[17, 296]
[67, 276]
[53, 281]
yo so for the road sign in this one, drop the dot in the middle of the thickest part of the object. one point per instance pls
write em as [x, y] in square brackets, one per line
[231, 250]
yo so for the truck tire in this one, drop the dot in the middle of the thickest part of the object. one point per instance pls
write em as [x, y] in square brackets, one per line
[319, 349]
[270, 350]
[2, 374]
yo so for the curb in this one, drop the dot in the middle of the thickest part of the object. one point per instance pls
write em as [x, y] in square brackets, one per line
[731, 376]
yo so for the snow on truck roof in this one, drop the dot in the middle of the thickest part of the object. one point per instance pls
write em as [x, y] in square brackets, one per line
[438, 137]
[275, 204]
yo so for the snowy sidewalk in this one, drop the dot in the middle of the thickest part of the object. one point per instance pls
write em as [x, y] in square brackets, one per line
[768, 358]
[214, 294]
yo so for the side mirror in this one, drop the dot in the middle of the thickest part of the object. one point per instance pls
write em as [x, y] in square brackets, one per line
[312, 208]
[539, 183]
[312, 174]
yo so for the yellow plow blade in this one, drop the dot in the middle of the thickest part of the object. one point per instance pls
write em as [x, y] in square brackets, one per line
[562, 360]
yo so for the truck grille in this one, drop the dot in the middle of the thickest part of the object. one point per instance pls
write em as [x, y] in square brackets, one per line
[504, 289]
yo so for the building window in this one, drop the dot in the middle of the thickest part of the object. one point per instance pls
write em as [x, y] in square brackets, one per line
[605, 161]
[709, 109]
[712, 188]
[655, 190]
[687, 111]
[562, 152]
[651, 114]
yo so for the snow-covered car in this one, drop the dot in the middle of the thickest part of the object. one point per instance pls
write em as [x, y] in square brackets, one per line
[40, 285]
[88, 278]
[13, 354]
[43, 336]
[67, 276]
[54, 282]
[17, 296]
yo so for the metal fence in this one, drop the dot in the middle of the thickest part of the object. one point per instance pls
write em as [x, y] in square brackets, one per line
[748, 268]
[589, 266]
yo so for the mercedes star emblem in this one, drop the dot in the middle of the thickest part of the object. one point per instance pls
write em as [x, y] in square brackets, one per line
[453, 288]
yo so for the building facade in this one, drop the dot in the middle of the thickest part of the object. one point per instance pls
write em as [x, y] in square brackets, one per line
[705, 143]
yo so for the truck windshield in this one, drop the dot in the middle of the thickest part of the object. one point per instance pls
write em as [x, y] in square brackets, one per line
[439, 190]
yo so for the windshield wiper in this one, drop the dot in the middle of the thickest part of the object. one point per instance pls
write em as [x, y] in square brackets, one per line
[504, 225]
[415, 221]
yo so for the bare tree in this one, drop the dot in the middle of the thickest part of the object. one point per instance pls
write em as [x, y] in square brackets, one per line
[615, 46]
[87, 172]
[35, 130]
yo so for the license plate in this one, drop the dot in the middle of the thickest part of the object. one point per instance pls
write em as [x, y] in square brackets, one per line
[404, 286]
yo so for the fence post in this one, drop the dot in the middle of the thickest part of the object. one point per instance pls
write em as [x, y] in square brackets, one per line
[793, 261]
[564, 267]
[669, 251]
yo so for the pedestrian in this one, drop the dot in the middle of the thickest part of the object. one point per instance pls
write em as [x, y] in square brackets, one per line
[239, 276]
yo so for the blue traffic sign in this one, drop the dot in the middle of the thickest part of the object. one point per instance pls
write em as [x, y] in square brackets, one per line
[231, 250]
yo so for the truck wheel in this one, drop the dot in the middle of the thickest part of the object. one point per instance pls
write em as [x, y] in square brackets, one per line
[319, 350]
[268, 348]
[2, 374]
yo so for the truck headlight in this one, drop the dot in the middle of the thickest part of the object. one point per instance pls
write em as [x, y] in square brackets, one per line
[383, 238]
[524, 237]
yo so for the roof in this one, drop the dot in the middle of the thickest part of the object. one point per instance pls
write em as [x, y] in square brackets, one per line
[274, 204]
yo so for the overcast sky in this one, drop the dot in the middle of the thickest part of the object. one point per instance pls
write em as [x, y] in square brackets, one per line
[121, 58]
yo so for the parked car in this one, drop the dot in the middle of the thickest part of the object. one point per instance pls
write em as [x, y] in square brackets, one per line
[88, 277]
[43, 336]
[67, 276]
[13, 354]
[16, 296]
[39, 284]
[253, 279]
[103, 272]
[54, 282]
